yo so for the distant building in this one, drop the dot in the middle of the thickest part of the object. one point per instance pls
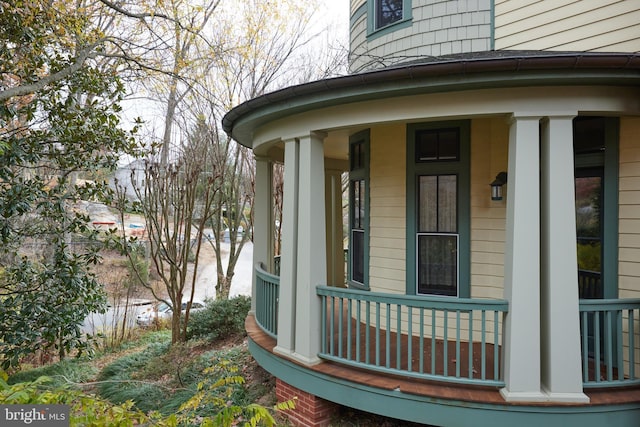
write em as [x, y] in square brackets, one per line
[129, 177]
[493, 270]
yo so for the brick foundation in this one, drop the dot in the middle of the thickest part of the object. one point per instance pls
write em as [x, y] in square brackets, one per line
[310, 411]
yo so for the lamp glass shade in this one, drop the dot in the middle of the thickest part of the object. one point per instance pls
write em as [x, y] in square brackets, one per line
[496, 191]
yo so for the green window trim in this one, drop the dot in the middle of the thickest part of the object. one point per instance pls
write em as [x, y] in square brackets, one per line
[359, 173]
[405, 22]
[461, 168]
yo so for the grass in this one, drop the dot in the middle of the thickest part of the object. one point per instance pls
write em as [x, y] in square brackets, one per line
[65, 372]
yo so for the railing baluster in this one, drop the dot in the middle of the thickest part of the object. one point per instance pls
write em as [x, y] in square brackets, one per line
[619, 346]
[632, 344]
[367, 332]
[323, 323]
[348, 319]
[409, 338]
[387, 336]
[340, 325]
[608, 343]
[445, 343]
[458, 361]
[421, 340]
[398, 336]
[585, 347]
[433, 341]
[470, 335]
[496, 347]
[377, 334]
[483, 346]
[331, 326]
[358, 308]
[596, 333]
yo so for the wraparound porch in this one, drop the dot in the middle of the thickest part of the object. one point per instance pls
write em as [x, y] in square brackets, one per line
[361, 350]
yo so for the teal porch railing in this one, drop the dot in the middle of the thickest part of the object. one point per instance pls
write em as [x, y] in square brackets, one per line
[610, 335]
[443, 339]
[267, 296]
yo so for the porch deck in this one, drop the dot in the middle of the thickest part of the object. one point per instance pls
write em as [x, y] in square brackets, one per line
[485, 395]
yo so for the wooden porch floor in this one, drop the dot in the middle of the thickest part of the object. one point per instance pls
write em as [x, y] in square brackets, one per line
[427, 388]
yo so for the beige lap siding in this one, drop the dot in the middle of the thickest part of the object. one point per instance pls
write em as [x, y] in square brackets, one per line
[629, 226]
[489, 144]
[387, 179]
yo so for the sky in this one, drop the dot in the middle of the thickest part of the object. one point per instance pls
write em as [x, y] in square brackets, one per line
[336, 12]
[332, 17]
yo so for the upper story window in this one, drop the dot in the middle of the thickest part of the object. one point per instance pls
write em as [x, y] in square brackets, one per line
[386, 16]
[387, 12]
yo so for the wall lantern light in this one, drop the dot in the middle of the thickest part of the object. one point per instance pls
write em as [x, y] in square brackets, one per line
[496, 186]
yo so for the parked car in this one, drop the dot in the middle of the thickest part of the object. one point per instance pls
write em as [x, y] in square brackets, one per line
[163, 311]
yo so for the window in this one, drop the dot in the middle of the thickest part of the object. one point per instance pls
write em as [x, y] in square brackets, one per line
[386, 16]
[358, 271]
[437, 236]
[357, 230]
[388, 12]
[595, 145]
[438, 209]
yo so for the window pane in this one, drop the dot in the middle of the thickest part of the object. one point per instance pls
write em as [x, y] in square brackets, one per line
[440, 144]
[438, 264]
[588, 135]
[427, 146]
[388, 12]
[589, 232]
[438, 205]
[357, 204]
[448, 147]
[447, 204]
[357, 256]
[357, 156]
[428, 203]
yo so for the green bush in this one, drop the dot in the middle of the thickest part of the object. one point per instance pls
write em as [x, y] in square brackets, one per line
[208, 405]
[220, 319]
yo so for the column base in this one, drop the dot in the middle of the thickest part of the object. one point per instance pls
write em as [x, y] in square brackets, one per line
[283, 352]
[543, 396]
[523, 396]
[289, 354]
[577, 397]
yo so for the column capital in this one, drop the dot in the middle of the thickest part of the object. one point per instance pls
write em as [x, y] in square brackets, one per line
[560, 115]
[523, 116]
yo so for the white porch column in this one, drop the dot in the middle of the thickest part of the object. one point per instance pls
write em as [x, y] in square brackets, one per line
[521, 339]
[288, 257]
[312, 255]
[263, 221]
[335, 245]
[561, 355]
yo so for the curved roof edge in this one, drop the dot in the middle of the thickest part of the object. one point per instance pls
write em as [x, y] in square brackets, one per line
[477, 69]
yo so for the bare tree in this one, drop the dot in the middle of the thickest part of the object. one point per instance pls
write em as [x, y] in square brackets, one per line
[177, 202]
[266, 49]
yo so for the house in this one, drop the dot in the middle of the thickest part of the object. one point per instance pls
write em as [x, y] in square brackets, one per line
[130, 178]
[493, 268]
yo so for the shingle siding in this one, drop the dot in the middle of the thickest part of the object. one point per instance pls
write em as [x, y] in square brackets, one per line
[437, 28]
